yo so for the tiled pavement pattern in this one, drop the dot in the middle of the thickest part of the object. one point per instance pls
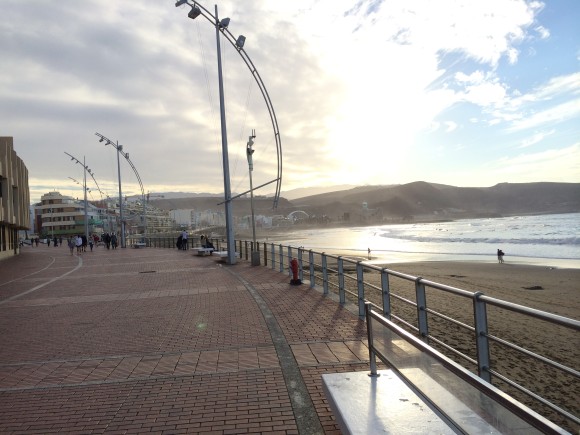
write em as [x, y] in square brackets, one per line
[162, 341]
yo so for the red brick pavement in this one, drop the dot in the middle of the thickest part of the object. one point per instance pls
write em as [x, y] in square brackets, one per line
[160, 340]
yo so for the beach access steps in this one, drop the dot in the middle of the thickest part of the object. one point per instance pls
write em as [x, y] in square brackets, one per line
[422, 392]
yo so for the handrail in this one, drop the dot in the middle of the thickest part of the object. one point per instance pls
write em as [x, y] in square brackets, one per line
[519, 410]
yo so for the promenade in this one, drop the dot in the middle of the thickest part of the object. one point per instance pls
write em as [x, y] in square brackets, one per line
[163, 341]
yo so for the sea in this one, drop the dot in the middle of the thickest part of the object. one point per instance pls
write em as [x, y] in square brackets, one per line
[545, 240]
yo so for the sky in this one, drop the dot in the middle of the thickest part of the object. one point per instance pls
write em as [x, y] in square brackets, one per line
[369, 92]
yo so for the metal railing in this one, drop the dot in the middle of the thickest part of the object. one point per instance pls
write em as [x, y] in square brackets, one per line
[463, 400]
[508, 358]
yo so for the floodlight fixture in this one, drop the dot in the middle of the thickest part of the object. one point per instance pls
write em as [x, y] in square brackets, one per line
[240, 41]
[101, 139]
[180, 2]
[194, 12]
[224, 23]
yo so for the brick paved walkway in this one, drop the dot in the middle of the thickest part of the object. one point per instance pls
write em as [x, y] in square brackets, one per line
[160, 340]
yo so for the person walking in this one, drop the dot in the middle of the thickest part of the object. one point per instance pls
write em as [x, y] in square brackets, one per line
[184, 240]
[79, 244]
[500, 255]
[71, 245]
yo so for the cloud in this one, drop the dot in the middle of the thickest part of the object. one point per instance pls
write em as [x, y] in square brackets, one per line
[536, 138]
[558, 165]
[353, 87]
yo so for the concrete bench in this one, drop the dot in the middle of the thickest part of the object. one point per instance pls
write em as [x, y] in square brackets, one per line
[203, 251]
[223, 254]
[423, 392]
[137, 245]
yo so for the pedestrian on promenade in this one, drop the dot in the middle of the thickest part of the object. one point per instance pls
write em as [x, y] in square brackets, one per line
[48, 241]
[184, 240]
[79, 244]
[55, 241]
[91, 244]
[114, 241]
[179, 242]
[36, 241]
[71, 245]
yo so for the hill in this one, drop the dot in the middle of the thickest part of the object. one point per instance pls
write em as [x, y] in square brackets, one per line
[422, 199]
[418, 201]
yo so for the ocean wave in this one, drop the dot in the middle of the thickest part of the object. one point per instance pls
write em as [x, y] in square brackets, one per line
[571, 241]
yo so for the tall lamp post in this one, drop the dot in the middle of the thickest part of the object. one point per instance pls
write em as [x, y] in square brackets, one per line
[249, 153]
[119, 149]
[51, 224]
[86, 168]
[238, 43]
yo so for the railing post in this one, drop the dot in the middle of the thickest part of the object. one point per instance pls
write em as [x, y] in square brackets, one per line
[481, 341]
[370, 340]
[324, 274]
[386, 294]
[265, 254]
[281, 253]
[421, 299]
[300, 265]
[311, 264]
[289, 254]
[341, 294]
[361, 289]
[246, 247]
[273, 252]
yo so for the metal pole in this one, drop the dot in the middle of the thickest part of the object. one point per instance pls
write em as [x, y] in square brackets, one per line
[231, 259]
[144, 221]
[250, 152]
[119, 149]
[86, 205]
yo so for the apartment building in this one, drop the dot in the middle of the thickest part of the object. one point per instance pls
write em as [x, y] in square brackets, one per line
[14, 198]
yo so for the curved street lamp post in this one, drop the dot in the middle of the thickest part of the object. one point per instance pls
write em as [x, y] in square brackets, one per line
[238, 43]
[86, 168]
[249, 154]
[119, 149]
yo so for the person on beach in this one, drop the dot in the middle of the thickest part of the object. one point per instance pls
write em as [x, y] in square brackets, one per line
[500, 255]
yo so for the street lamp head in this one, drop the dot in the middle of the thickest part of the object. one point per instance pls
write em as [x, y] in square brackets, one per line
[101, 139]
[127, 156]
[180, 2]
[194, 12]
[224, 23]
[240, 41]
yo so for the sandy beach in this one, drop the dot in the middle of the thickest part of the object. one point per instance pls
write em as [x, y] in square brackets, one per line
[548, 289]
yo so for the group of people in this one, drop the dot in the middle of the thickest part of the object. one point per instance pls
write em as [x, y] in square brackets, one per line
[183, 241]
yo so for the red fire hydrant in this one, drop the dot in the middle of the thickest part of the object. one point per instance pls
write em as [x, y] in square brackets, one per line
[294, 266]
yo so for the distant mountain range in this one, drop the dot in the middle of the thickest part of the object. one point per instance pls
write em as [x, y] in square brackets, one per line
[418, 200]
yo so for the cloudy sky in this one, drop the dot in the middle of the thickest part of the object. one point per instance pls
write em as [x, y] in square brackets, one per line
[459, 92]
